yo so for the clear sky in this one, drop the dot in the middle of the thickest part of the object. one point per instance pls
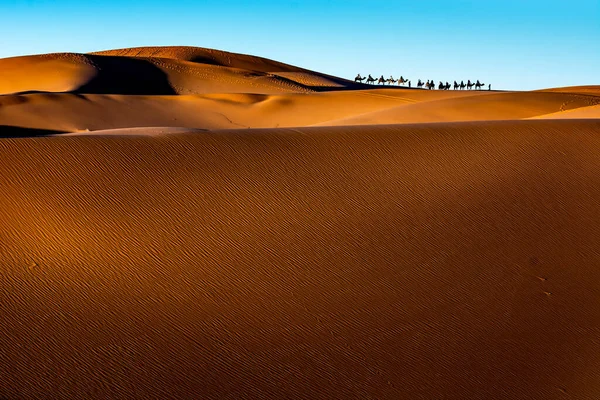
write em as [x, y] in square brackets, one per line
[512, 44]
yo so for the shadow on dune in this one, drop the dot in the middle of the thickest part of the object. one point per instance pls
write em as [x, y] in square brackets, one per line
[124, 75]
[8, 131]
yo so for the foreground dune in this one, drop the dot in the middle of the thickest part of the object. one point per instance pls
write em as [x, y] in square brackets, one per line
[450, 261]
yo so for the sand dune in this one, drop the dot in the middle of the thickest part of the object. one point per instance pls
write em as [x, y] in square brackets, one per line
[592, 90]
[415, 245]
[481, 107]
[159, 73]
[592, 112]
[79, 73]
[74, 112]
[205, 56]
[436, 261]
[45, 73]
[77, 112]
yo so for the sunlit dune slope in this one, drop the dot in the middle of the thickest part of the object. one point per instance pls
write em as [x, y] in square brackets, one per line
[591, 112]
[593, 90]
[61, 72]
[454, 261]
[71, 112]
[482, 107]
[78, 112]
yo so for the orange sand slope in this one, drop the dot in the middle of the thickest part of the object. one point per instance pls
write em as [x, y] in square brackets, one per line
[427, 261]
[75, 112]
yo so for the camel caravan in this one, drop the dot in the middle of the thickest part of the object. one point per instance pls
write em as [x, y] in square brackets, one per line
[430, 84]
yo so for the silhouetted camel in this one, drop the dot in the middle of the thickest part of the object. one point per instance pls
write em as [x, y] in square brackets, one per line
[381, 80]
[359, 78]
[462, 85]
[469, 84]
[420, 83]
[402, 81]
[456, 85]
[370, 79]
[391, 80]
[441, 86]
[447, 86]
[479, 85]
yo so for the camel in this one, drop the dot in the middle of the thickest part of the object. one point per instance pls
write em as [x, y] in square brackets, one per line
[359, 78]
[420, 83]
[441, 86]
[479, 85]
[381, 80]
[370, 79]
[469, 84]
[462, 85]
[402, 81]
[456, 85]
[391, 80]
[447, 86]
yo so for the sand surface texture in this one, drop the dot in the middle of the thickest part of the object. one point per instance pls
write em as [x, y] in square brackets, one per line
[249, 229]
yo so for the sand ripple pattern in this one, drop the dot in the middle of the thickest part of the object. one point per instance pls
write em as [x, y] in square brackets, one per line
[454, 261]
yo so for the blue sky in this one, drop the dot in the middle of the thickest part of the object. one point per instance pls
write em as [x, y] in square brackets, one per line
[513, 44]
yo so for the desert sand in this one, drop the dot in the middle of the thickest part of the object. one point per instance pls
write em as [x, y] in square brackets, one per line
[190, 223]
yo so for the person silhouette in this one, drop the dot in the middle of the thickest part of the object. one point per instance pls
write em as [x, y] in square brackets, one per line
[409, 83]
[490, 86]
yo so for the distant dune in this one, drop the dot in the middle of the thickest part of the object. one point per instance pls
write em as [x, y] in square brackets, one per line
[159, 71]
[184, 223]
[210, 89]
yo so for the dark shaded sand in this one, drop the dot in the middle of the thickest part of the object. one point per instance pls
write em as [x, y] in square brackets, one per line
[454, 261]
